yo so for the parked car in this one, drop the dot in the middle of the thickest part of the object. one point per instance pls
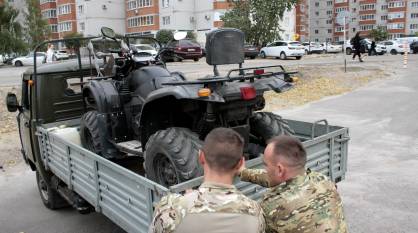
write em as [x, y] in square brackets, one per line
[394, 47]
[414, 47]
[283, 50]
[365, 47]
[250, 51]
[146, 48]
[8, 59]
[313, 47]
[332, 48]
[184, 49]
[28, 59]
[60, 55]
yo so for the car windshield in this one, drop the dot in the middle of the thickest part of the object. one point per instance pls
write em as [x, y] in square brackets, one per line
[144, 47]
[295, 43]
[188, 43]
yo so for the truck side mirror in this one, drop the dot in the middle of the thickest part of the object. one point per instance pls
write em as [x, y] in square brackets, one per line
[12, 103]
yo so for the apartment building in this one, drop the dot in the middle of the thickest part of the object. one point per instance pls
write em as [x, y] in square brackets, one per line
[92, 15]
[61, 16]
[399, 17]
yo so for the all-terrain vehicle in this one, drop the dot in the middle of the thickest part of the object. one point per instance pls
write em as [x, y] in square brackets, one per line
[147, 109]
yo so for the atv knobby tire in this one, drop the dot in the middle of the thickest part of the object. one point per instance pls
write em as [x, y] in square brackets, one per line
[266, 125]
[49, 196]
[171, 156]
[90, 133]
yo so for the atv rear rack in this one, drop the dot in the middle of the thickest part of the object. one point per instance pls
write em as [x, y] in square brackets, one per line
[241, 77]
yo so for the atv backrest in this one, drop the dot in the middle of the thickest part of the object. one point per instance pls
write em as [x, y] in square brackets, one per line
[225, 46]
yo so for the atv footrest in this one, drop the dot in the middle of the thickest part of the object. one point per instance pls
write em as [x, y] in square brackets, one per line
[130, 147]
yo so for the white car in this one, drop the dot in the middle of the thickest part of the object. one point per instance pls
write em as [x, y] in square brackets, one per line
[61, 55]
[367, 43]
[394, 47]
[146, 48]
[28, 59]
[332, 48]
[283, 50]
[313, 47]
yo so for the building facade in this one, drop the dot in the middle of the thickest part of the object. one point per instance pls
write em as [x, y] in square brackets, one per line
[317, 20]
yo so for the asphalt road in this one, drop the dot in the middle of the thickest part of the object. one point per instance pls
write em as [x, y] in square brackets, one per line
[381, 186]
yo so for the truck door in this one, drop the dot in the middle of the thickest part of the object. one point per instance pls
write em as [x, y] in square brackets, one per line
[24, 118]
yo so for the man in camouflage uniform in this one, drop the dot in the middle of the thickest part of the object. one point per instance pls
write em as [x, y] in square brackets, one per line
[217, 206]
[298, 200]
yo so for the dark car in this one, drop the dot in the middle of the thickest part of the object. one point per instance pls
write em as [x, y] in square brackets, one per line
[184, 49]
[414, 47]
[251, 51]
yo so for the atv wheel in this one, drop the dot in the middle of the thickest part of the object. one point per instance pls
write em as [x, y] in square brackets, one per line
[90, 133]
[171, 156]
[50, 197]
[266, 125]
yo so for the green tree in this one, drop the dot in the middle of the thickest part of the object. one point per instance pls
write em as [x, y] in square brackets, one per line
[72, 43]
[258, 19]
[11, 36]
[164, 36]
[191, 35]
[379, 34]
[37, 27]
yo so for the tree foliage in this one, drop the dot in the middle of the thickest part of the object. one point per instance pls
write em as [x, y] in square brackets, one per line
[37, 29]
[164, 36]
[379, 34]
[191, 35]
[74, 44]
[258, 19]
[11, 36]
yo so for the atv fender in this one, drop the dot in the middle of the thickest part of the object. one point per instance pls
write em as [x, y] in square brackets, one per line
[102, 95]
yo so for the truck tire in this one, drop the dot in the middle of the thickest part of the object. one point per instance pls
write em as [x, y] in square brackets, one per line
[50, 197]
[90, 133]
[266, 125]
[171, 156]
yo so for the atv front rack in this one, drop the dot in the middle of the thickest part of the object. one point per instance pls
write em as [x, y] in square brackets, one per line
[258, 73]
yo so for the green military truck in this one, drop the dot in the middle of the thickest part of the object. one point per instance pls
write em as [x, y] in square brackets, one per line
[69, 171]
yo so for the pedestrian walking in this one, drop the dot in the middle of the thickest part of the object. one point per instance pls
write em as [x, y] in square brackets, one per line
[356, 42]
[216, 206]
[50, 53]
[298, 200]
[372, 50]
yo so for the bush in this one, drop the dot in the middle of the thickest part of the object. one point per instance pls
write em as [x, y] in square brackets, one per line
[164, 36]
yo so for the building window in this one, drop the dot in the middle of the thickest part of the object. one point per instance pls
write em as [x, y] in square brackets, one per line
[339, 29]
[53, 28]
[64, 9]
[329, 12]
[329, 3]
[166, 20]
[329, 30]
[413, 26]
[340, 9]
[317, 4]
[396, 4]
[316, 31]
[366, 17]
[414, 4]
[82, 26]
[141, 21]
[80, 9]
[65, 27]
[384, 7]
[165, 3]
[49, 14]
[132, 4]
[144, 3]
[329, 39]
[340, 1]
[329, 21]
[367, 7]
[396, 26]
[366, 27]
[42, 1]
[384, 17]
[396, 15]
[414, 15]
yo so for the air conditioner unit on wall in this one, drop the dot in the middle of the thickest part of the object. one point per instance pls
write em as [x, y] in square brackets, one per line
[207, 17]
[104, 7]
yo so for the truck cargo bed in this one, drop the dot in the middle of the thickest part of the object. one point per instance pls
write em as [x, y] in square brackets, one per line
[126, 197]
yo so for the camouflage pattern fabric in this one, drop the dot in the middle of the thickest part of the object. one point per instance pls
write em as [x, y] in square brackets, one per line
[308, 203]
[209, 198]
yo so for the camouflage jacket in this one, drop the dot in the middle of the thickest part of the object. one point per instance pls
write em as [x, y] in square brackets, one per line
[308, 203]
[211, 208]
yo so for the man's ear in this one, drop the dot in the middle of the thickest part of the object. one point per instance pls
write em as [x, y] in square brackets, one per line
[202, 159]
[280, 169]
[240, 164]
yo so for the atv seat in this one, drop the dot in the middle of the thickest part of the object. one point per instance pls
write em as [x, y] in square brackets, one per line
[223, 47]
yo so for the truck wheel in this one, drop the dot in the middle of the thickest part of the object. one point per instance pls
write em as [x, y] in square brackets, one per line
[171, 156]
[50, 197]
[89, 132]
[266, 125]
